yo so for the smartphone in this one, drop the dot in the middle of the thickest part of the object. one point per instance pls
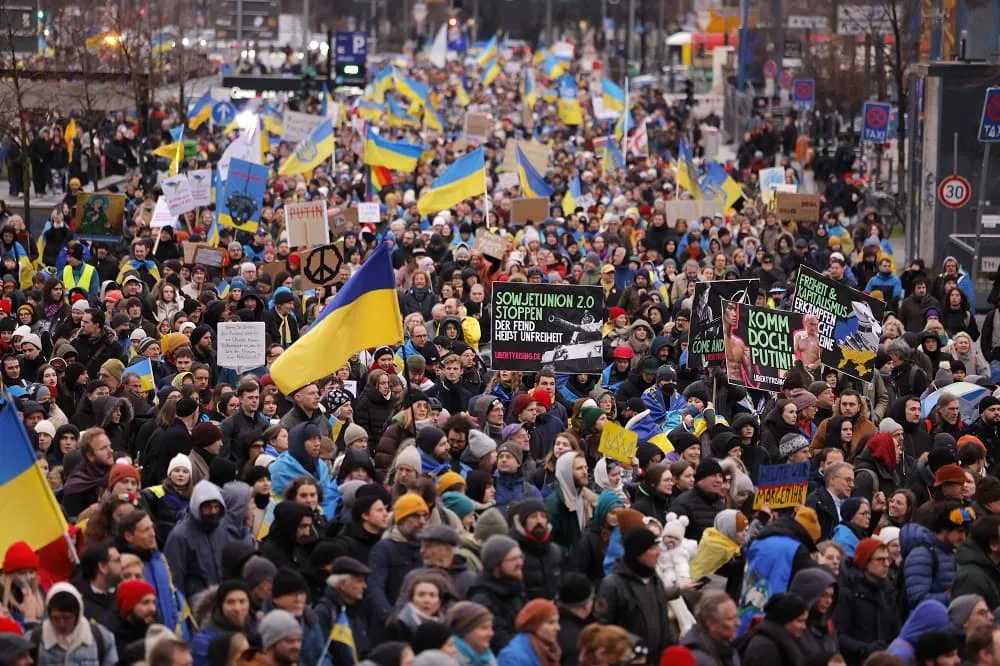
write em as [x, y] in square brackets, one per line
[703, 581]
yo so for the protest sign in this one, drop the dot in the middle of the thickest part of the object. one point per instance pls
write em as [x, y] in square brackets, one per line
[478, 125]
[842, 325]
[200, 183]
[782, 486]
[705, 344]
[507, 180]
[760, 344]
[306, 224]
[177, 193]
[243, 196]
[536, 154]
[490, 244]
[547, 324]
[692, 210]
[351, 386]
[529, 210]
[769, 180]
[369, 212]
[99, 215]
[212, 257]
[161, 215]
[321, 266]
[297, 126]
[241, 345]
[797, 206]
[618, 443]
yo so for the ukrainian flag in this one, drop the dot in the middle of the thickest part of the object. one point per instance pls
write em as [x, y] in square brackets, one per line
[341, 632]
[716, 185]
[143, 368]
[400, 117]
[201, 111]
[369, 299]
[613, 96]
[464, 179]
[613, 158]
[687, 177]
[570, 112]
[28, 509]
[314, 150]
[370, 111]
[624, 125]
[528, 92]
[273, 122]
[432, 120]
[532, 184]
[489, 52]
[553, 67]
[491, 70]
[101, 38]
[162, 44]
[383, 83]
[396, 156]
[461, 94]
[572, 195]
[415, 90]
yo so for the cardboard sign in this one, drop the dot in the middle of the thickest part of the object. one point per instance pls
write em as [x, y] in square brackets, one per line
[798, 206]
[618, 443]
[297, 126]
[162, 216]
[692, 210]
[178, 196]
[306, 224]
[780, 486]
[189, 249]
[346, 219]
[507, 180]
[537, 154]
[490, 244]
[478, 125]
[369, 212]
[200, 184]
[272, 269]
[241, 344]
[212, 257]
[529, 210]
[321, 265]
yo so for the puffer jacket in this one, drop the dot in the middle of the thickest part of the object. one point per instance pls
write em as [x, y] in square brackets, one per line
[860, 617]
[700, 508]
[505, 598]
[929, 565]
[820, 636]
[373, 411]
[773, 429]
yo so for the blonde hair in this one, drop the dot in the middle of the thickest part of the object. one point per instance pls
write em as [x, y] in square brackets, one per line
[605, 644]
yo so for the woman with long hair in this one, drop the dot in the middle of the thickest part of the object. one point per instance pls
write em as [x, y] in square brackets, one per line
[544, 477]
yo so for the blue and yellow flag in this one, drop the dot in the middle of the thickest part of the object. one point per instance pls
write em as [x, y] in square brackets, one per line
[369, 296]
[625, 124]
[528, 92]
[490, 51]
[687, 176]
[161, 44]
[553, 67]
[613, 158]
[570, 112]
[717, 185]
[464, 179]
[400, 117]
[413, 89]
[201, 110]
[382, 84]
[432, 120]
[273, 121]
[341, 632]
[28, 509]
[613, 96]
[392, 155]
[462, 93]
[533, 185]
[370, 111]
[144, 368]
[572, 196]
[491, 70]
[311, 152]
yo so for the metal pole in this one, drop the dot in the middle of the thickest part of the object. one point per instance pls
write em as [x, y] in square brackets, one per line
[239, 23]
[406, 24]
[548, 23]
[305, 28]
[954, 169]
[741, 64]
[475, 21]
[630, 50]
[373, 20]
[980, 205]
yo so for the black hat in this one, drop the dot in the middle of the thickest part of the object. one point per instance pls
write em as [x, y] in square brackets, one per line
[186, 407]
[681, 439]
[939, 457]
[283, 297]
[527, 507]
[413, 396]
[365, 498]
[784, 607]
[288, 581]
[666, 373]
[636, 542]
[345, 565]
[430, 635]
[987, 402]
[255, 474]
[575, 589]
[935, 644]
[706, 468]
[697, 391]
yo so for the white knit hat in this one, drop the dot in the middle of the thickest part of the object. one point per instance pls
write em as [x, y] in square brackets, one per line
[46, 426]
[179, 461]
[676, 526]
[888, 534]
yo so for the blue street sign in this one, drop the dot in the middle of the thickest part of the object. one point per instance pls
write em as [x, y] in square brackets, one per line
[803, 94]
[351, 47]
[223, 113]
[989, 126]
[876, 122]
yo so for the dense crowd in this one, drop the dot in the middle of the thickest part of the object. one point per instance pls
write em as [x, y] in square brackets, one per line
[416, 507]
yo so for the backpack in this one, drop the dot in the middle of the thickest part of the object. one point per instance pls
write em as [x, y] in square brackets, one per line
[902, 602]
[95, 630]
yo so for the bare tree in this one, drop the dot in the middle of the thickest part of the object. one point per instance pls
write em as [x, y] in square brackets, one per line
[133, 41]
[16, 87]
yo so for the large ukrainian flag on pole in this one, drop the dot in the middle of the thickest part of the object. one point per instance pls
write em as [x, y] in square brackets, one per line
[310, 153]
[365, 313]
[398, 156]
[532, 183]
[28, 509]
[464, 179]
[613, 96]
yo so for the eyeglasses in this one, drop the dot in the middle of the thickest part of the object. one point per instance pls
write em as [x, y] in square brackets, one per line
[880, 560]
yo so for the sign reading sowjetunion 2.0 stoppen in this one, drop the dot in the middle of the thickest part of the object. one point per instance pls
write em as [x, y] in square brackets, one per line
[535, 325]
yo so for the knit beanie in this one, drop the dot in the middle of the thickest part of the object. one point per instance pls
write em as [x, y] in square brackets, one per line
[864, 550]
[816, 388]
[542, 397]
[589, 416]
[491, 523]
[130, 593]
[628, 520]
[520, 403]
[458, 503]
[675, 526]
[428, 438]
[465, 616]
[889, 425]
[19, 557]
[510, 431]
[512, 450]
[784, 607]
[575, 589]
[888, 534]
[121, 471]
[180, 461]
[258, 570]
[205, 434]
[481, 444]
[803, 399]
[849, 507]
[637, 542]
[288, 581]
[495, 550]
[961, 607]
[987, 402]
[407, 505]
[114, 367]
[430, 635]
[706, 468]
[407, 456]
[730, 523]
[434, 658]
[527, 507]
[807, 518]
[534, 614]
[353, 433]
[277, 626]
[791, 443]
[448, 481]
[677, 655]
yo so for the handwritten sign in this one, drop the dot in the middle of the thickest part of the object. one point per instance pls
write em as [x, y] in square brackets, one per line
[490, 244]
[297, 126]
[212, 257]
[618, 443]
[369, 212]
[529, 210]
[781, 486]
[507, 180]
[797, 206]
[241, 344]
[161, 215]
[306, 224]
[200, 184]
[177, 193]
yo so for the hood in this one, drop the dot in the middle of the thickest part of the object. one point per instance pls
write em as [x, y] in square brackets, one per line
[297, 437]
[897, 412]
[206, 491]
[913, 535]
[722, 442]
[659, 342]
[970, 554]
[287, 516]
[810, 583]
[236, 498]
[642, 323]
[744, 419]
[65, 587]
[929, 615]
[105, 405]
[354, 459]
[564, 475]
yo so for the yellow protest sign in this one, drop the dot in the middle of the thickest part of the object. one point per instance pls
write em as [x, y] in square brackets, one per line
[618, 443]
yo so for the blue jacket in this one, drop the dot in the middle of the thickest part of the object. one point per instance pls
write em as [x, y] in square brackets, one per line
[390, 560]
[929, 567]
[769, 571]
[847, 539]
[513, 488]
[927, 616]
[659, 410]
[519, 652]
[286, 469]
[890, 286]
[194, 547]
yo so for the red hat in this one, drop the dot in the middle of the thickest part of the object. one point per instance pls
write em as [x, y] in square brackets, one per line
[534, 614]
[616, 312]
[542, 397]
[19, 557]
[121, 471]
[677, 655]
[9, 626]
[130, 593]
[864, 551]
[521, 402]
[624, 352]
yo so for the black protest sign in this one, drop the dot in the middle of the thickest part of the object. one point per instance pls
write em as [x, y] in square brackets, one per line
[545, 324]
[760, 344]
[705, 344]
[844, 323]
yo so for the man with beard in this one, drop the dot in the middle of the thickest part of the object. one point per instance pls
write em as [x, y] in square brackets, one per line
[84, 485]
[825, 397]
[281, 637]
[916, 440]
[913, 307]
[542, 557]
[136, 601]
[437, 551]
[99, 573]
[500, 588]
[194, 547]
[987, 426]
[95, 342]
[370, 515]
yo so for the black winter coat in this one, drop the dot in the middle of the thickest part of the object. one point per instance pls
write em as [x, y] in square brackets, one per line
[770, 644]
[977, 574]
[772, 431]
[504, 598]
[638, 606]
[372, 412]
[542, 565]
[700, 508]
[826, 510]
[164, 444]
[570, 626]
[651, 503]
[358, 542]
[861, 618]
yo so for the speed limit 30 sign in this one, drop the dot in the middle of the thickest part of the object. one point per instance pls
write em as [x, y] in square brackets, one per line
[954, 191]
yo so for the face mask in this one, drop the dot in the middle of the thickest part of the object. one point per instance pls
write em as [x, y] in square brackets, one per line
[668, 388]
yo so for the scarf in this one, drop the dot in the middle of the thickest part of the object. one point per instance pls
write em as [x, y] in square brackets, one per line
[148, 264]
[429, 465]
[285, 331]
[549, 653]
[88, 476]
[484, 658]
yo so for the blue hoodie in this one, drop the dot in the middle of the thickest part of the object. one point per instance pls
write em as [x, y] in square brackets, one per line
[930, 615]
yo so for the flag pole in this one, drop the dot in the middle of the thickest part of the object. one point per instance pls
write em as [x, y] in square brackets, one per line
[625, 119]
[486, 202]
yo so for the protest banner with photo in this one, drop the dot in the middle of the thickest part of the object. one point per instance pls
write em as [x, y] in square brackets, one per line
[241, 345]
[782, 486]
[243, 196]
[296, 126]
[760, 344]
[99, 216]
[842, 325]
[478, 125]
[200, 183]
[490, 244]
[791, 206]
[178, 195]
[547, 324]
[618, 443]
[529, 210]
[705, 344]
[306, 224]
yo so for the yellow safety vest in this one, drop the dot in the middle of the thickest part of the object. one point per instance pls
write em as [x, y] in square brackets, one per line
[69, 282]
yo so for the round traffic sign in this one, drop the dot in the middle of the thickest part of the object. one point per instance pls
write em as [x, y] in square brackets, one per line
[223, 113]
[954, 191]
[785, 80]
[803, 90]
[876, 117]
[770, 69]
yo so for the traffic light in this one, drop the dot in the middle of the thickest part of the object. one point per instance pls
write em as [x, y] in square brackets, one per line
[689, 99]
[350, 74]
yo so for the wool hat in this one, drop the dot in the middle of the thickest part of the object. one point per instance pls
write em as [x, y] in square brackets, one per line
[934, 644]
[675, 526]
[121, 471]
[288, 581]
[180, 461]
[520, 403]
[850, 507]
[458, 503]
[950, 473]
[434, 658]
[816, 388]
[784, 607]
[428, 438]
[807, 518]
[941, 454]
[33, 340]
[888, 534]
[513, 450]
[590, 415]
[439, 533]
[19, 557]
[205, 434]
[114, 367]
[534, 614]
[257, 570]
[791, 443]
[353, 433]
[510, 431]
[277, 626]
[730, 522]
[961, 607]
[365, 497]
[682, 440]
[495, 549]
[575, 589]
[889, 425]
[637, 542]
[677, 655]
[480, 444]
[465, 616]
[864, 550]
[407, 505]
[186, 407]
[9, 626]
[706, 468]
[527, 507]
[803, 399]
[130, 593]
[987, 402]
[255, 474]
[335, 398]
[45, 427]
[430, 635]
[623, 352]
[448, 481]
[542, 397]
[698, 391]
[81, 305]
